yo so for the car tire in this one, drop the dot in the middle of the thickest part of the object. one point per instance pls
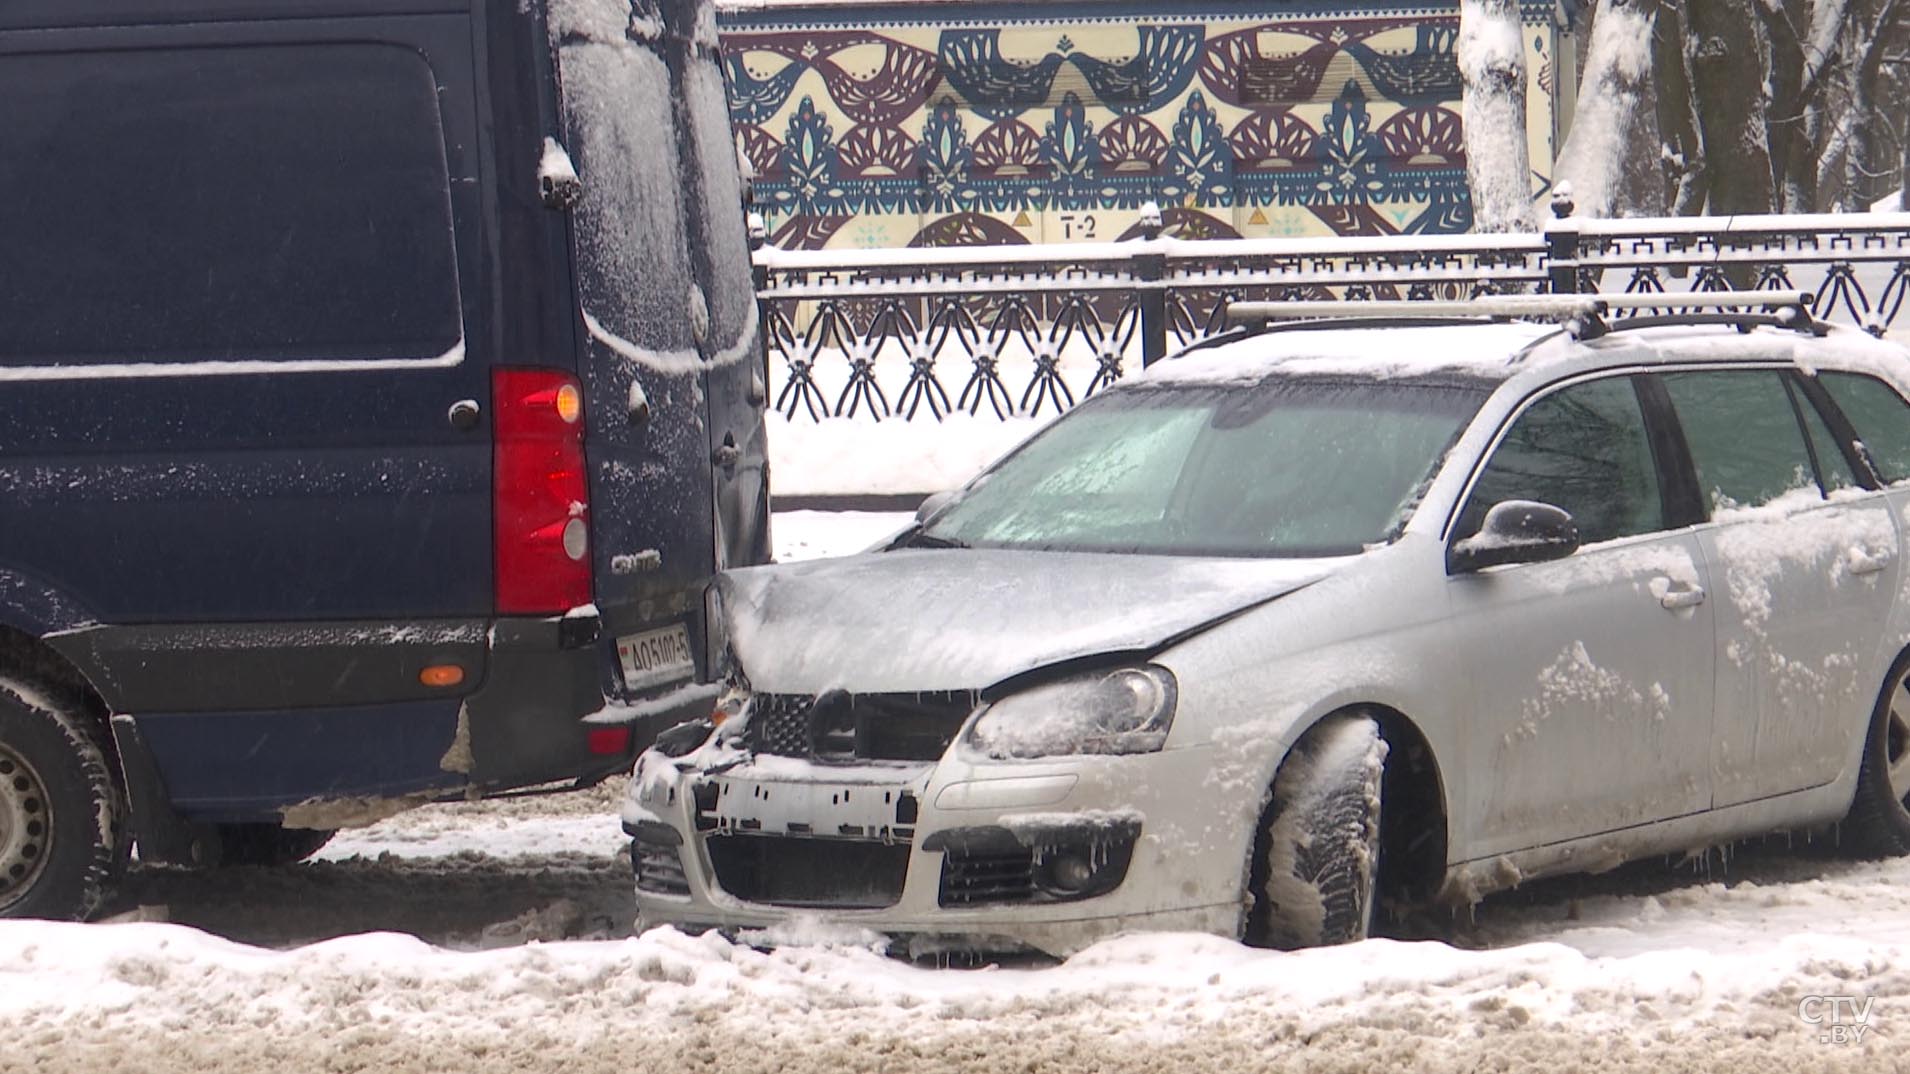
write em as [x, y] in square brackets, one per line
[62, 830]
[1316, 853]
[1879, 822]
[269, 845]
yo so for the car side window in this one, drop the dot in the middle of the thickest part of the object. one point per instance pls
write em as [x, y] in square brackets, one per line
[1743, 433]
[224, 204]
[1832, 466]
[1880, 416]
[1584, 449]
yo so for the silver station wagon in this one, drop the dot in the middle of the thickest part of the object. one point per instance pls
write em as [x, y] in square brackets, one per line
[1321, 617]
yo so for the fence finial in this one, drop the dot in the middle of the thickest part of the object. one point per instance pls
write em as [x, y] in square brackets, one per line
[1562, 204]
[1151, 220]
[758, 231]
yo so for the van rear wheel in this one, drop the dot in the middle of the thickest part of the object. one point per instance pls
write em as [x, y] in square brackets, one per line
[61, 809]
[269, 845]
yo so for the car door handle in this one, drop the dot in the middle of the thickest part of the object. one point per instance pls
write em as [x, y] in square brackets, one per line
[1689, 596]
[1864, 561]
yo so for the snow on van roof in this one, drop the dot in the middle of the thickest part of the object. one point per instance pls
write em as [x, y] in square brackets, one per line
[1472, 348]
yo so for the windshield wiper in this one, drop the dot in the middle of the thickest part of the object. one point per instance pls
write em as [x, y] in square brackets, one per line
[919, 538]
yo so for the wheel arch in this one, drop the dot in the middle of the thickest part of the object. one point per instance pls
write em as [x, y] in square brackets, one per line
[163, 836]
[1415, 819]
[42, 665]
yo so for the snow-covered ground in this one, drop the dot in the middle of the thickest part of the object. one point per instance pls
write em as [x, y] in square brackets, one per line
[498, 937]
[1655, 969]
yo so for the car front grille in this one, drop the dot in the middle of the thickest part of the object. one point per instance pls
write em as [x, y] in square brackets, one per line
[779, 724]
[796, 871]
[838, 726]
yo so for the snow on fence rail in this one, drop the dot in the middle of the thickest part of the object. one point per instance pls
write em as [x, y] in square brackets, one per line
[1019, 330]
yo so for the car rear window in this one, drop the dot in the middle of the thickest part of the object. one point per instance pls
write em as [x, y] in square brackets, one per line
[218, 204]
[1880, 416]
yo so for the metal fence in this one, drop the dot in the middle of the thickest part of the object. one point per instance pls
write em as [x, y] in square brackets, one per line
[1023, 330]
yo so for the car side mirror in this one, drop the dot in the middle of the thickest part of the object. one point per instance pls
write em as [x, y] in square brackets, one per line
[933, 504]
[1515, 531]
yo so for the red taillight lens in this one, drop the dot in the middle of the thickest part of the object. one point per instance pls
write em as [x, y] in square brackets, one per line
[540, 493]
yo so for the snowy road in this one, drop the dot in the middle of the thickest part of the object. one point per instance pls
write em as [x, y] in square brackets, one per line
[1656, 967]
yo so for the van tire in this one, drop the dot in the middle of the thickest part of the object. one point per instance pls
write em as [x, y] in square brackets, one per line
[269, 845]
[62, 811]
[1316, 854]
[1879, 823]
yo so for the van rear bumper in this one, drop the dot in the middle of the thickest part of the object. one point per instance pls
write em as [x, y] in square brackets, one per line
[328, 725]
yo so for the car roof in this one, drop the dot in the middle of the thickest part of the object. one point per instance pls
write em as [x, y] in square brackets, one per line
[1498, 351]
[1483, 350]
[49, 14]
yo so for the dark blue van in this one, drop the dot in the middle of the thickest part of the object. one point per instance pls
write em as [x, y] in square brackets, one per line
[380, 383]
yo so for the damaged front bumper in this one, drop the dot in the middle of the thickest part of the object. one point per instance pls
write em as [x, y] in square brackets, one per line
[1046, 855]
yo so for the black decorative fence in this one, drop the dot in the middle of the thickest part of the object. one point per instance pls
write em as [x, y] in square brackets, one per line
[1027, 330]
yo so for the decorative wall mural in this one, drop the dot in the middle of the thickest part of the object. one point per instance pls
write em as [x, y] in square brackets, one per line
[955, 123]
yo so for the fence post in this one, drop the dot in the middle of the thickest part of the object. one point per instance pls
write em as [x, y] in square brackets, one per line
[758, 231]
[1561, 235]
[1150, 268]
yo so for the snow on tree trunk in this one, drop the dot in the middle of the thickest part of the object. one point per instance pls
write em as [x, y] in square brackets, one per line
[1614, 106]
[1681, 149]
[1866, 50]
[1491, 55]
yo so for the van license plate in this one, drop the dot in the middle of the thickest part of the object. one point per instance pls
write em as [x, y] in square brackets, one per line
[655, 656]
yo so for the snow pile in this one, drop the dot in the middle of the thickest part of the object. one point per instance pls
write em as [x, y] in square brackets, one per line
[156, 998]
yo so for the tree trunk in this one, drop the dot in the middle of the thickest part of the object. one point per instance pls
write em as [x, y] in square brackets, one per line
[1868, 41]
[1801, 43]
[1491, 54]
[1599, 158]
[1723, 45]
[1681, 150]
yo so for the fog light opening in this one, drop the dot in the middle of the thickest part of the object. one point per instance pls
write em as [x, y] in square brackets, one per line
[1070, 873]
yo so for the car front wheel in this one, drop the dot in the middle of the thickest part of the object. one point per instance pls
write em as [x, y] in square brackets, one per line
[61, 809]
[1317, 850]
[1879, 821]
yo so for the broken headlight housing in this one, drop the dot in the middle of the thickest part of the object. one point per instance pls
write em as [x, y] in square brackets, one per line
[1124, 710]
[691, 735]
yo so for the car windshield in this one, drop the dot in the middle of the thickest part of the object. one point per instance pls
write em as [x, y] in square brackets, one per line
[1286, 467]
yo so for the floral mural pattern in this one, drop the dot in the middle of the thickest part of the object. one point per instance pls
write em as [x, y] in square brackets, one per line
[1313, 125]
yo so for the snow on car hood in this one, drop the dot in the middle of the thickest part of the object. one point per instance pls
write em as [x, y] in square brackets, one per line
[964, 619]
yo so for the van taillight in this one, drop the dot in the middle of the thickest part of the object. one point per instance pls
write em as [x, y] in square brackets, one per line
[540, 494]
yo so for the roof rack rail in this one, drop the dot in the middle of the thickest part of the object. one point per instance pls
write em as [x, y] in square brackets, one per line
[1583, 315]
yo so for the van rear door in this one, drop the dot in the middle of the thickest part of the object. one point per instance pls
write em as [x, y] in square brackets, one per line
[643, 238]
[737, 377]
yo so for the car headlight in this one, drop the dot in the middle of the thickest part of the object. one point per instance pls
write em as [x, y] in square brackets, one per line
[1127, 710]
